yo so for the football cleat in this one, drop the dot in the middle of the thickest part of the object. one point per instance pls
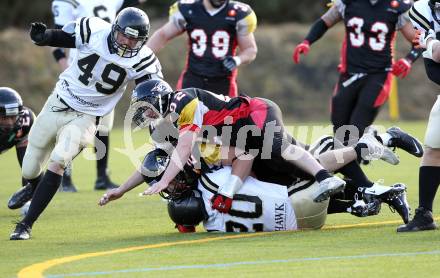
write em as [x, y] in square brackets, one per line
[394, 196]
[376, 150]
[67, 184]
[328, 187]
[22, 232]
[19, 198]
[104, 183]
[402, 140]
[422, 221]
[362, 209]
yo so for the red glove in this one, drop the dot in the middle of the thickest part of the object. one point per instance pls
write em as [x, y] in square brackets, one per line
[185, 229]
[401, 68]
[303, 47]
[221, 203]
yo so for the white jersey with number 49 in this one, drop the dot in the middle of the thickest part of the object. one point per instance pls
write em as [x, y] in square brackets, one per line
[257, 206]
[96, 79]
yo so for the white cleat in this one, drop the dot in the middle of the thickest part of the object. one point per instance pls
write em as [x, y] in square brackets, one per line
[376, 150]
[328, 187]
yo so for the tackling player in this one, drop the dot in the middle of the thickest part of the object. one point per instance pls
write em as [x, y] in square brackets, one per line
[65, 12]
[215, 29]
[109, 55]
[15, 123]
[425, 15]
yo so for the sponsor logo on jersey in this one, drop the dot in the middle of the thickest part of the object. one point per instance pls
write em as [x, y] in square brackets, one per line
[280, 217]
[395, 4]
[232, 13]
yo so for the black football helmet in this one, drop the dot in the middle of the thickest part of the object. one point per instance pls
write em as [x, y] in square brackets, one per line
[153, 167]
[434, 4]
[217, 3]
[151, 99]
[11, 105]
[188, 210]
[132, 23]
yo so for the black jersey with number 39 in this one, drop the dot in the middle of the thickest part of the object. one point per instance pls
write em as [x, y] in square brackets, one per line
[212, 37]
[370, 32]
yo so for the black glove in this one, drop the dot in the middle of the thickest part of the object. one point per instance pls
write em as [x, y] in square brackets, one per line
[229, 63]
[38, 33]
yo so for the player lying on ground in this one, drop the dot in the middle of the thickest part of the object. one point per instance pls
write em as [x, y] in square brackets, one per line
[15, 123]
[259, 205]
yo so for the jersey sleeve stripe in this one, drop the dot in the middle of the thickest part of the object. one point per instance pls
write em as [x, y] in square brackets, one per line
[147, 65]
[81, 30]
[420, 19]
[208, 184]
[71, 2]
[291, 189]
[143, 60]
[88, 32]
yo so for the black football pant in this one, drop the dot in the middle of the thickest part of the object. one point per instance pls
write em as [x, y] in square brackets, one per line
[222, 85]
[356, 102]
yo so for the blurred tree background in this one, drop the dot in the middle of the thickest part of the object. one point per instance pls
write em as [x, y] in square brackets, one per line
[302, 91]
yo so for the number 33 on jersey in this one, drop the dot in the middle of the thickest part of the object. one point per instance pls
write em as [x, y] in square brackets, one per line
[97, 77]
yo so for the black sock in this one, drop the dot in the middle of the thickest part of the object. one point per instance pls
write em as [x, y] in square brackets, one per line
[338, 206]
[358, 149]
[429, 179]
[353, 171]
[45, 191]
[36, 181]
[101, 164]
[322, 175]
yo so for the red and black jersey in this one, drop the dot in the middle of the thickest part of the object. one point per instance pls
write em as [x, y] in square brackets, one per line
[197, 108]
[211, 37]
[20, 133]
[370, 32]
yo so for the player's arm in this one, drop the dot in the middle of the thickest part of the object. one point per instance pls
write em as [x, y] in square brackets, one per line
[428, 42]
[160, 38]
[318, 29]
[63, 13]
[179, 157]
[133, 181]
[42, 36]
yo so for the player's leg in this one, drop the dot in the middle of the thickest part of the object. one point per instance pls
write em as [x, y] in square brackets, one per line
[342, 105]
[75, 133]
[102, 145]
[309, 214]
[429, 176]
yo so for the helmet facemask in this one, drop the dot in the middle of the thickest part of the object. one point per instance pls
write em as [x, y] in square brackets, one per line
[435, 5]
[150, 109]
[127, 43]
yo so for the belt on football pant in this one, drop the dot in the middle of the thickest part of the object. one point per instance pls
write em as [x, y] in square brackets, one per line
[68, 108]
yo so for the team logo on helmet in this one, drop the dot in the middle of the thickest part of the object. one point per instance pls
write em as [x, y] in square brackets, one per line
[161, 87]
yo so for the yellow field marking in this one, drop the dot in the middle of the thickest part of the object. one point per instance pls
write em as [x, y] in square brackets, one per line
[36, 270]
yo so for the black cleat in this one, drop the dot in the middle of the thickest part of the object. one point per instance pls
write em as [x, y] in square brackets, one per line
[402, 140]
[67, 185]
[19, 198]
[422, 221]
[362, 209]
[104, 183]
[21, 232]
[394, 196]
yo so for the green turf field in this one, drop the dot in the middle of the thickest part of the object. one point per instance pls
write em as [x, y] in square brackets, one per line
[74, 235]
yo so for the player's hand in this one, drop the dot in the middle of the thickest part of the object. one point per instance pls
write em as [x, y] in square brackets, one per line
[109, 196]
[230, 63]
[421, 38]
[302, 48]
[155, 188]
[401, 68]
[37, 32]
[221, 203]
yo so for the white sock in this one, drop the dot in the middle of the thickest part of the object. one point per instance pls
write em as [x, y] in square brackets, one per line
[386, 137]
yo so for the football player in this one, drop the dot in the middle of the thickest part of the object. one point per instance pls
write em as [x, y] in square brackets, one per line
[15, 123]
[425, 15]
[65, 12]
[215, 29]
[108, 56]
[258, 205]
[366, 60]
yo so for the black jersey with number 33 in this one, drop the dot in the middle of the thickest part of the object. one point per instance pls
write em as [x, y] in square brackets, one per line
[370, 33]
